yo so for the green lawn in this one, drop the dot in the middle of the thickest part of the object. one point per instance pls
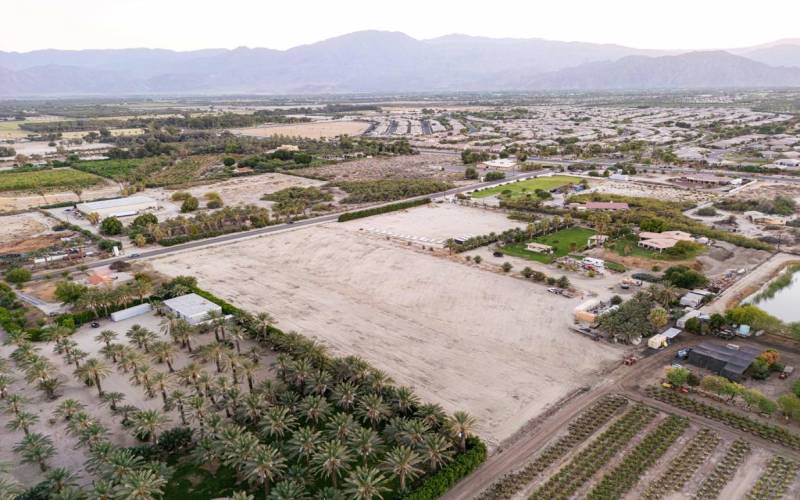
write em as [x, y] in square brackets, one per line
[528, 185]
[629, 247]
[562, 242]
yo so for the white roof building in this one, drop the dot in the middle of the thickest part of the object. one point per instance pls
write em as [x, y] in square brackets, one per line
[500, 163]
[192, 308]
[119, 207]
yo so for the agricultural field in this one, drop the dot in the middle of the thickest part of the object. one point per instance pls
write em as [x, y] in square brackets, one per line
[527, 186]
[10, 130]
[314, 130]
[564, 242]
[118, 170]
[396, 306]
[47, 180]
[616, 448]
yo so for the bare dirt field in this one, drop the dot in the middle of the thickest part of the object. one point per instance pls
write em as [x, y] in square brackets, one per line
[314, 130]
[245, 190]
[468, 339]
[25, 232]
[662, 192]
[11, 202]
[435, 223]
[424, 165]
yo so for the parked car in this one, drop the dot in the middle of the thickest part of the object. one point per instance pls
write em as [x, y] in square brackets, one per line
[683, 353]
[497, 253]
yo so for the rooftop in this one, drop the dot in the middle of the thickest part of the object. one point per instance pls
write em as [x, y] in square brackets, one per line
[191, 305]
[118, 202]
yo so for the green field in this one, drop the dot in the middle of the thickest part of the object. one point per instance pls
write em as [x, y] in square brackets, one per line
[51, 179]
[564, 242]
[117, 170]
[528, 185]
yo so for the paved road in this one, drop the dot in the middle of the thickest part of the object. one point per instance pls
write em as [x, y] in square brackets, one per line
[146, 254]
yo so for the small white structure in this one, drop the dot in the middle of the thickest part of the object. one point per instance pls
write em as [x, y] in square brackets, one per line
[787, 163]
[119, 207]
[539, 248]
[192, 308]
[596, 264]
[619, 177]
[131, 312]
[657, 341]
[500, 164]
[693, 300]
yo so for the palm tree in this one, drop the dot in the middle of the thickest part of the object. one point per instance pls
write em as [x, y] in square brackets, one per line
[61, 480]
[277, 422]
[373, 409]
[112, 399]
[331, 460]
[460, 426]
[179, 398]
[341, 426]
[5, 383]
[262, 323]
[432, 414]
[14, 403]
[304, 443]
[366, 483]
[249, 369]
[190, 374]
[237, 334]
[344, 395]
[405, 400]
[402, 462]
[22, 421]
[164, 352]
[314, 408]
[413, 432]
[265, 466]
[149, 423]
[366, 443]
[198, 409]
[68, 408]
[288, 490]
[96, 370]
[214, 352]
[140, 484]
[106, 337]
[437, 451]
[36, 448]
[161, 381]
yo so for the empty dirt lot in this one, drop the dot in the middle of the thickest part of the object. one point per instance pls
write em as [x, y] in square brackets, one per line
[315, 130]
[420, 166]
[468, 339]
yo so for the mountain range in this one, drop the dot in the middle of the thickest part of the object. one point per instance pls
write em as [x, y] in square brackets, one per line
[381, 62]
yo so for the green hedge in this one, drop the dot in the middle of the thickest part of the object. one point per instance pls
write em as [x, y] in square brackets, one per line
[441, 482]
[226, 306]
[382, 210]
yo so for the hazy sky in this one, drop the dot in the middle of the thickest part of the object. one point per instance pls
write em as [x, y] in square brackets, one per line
[192, 24]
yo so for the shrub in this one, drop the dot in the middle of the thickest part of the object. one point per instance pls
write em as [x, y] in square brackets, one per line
[18, 275]
[683, 277]
[180, 196]
[506, 267]
[678, 376]
[707, 212]
[494, 176]
[470, 173]
[358, 214]
[228, 161]
[438, 484]
[144, 220]
[527, 272]
[111, 226]
[190, 204]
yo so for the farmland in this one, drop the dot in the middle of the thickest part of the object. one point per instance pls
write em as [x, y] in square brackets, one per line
[564, 242]
[49, 179]
[367, 296]
[514, 189]
[118, 170]
[316, 130]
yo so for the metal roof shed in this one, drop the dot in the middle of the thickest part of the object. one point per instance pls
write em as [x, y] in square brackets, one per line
[729, 362]
[192, 307]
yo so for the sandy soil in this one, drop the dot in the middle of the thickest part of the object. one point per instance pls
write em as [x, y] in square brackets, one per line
[496, 347]
[435, 223]
[661, 192]
[424, 165]
[68, 455]
[11, 202]
[746, 475]
[315, 130]
[26, 232]
[250, 189]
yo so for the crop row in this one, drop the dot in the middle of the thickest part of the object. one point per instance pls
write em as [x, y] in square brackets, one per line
[564, 483]
[580, 429]
[683, 466]
[772, 433]
[625, 475]
[723, 472]
[774, 480]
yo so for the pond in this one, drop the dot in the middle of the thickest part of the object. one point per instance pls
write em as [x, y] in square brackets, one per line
[781, 297]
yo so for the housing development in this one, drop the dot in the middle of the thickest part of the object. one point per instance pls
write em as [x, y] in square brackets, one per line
[483, 295]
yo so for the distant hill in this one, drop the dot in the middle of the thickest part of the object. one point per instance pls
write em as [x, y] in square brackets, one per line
[379, 61]
[716, 69]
